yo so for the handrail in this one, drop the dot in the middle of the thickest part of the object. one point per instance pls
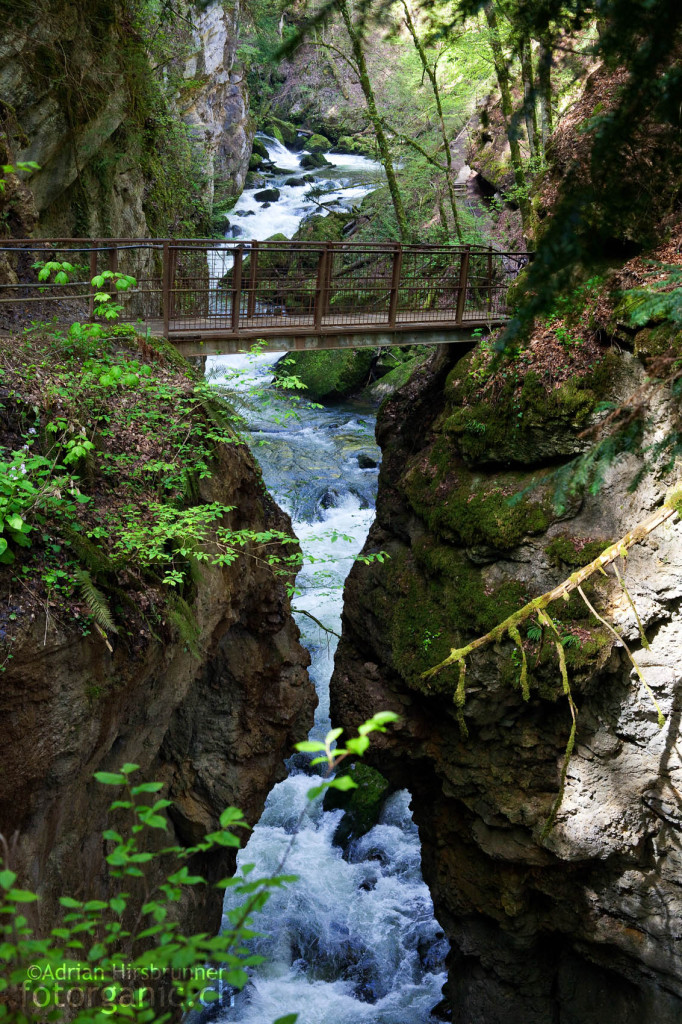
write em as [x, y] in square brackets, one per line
[249, 287]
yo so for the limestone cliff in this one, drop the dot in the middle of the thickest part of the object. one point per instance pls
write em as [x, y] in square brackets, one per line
[579, 925]
[132, 124]
[216, 101]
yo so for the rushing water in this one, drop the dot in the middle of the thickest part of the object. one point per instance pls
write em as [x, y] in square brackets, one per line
[354, 941]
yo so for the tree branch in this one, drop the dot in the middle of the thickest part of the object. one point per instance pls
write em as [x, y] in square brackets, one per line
[574, 582]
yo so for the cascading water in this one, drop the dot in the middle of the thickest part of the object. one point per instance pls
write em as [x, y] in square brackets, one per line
[354, 941]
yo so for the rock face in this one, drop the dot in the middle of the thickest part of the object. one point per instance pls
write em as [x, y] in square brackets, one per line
[577, 925]
[80, 97]
[214, 723]
[218, 111]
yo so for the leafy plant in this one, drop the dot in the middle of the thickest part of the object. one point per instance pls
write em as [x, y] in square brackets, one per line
[121, 954]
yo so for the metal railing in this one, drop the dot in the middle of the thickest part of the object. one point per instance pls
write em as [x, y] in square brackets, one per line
[234, 289]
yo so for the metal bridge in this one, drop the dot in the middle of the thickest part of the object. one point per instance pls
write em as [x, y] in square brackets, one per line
[212, 297]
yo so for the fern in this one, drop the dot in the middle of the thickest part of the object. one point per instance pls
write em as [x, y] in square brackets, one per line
[183, 618]
[95, 600]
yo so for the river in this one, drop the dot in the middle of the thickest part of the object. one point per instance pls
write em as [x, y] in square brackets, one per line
[354, 940]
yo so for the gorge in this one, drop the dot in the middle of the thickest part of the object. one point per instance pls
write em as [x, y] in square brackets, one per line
[513, 849]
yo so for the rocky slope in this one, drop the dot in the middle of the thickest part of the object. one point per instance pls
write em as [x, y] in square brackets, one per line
[577, 925]
[208, 697]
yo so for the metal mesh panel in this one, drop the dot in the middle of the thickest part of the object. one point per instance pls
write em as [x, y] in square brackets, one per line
[262, 288]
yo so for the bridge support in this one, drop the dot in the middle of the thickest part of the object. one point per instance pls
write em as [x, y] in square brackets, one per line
[462, 336]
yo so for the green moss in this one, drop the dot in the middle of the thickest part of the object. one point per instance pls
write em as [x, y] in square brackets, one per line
[657, 341]
[574, 551]
[328, 374]
[362, 806]
[317, 228]
[460, 505]
[432, 599]
[318, 144]
[526, 419]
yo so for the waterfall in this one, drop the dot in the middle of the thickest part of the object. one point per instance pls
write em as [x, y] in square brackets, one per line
[354, 940]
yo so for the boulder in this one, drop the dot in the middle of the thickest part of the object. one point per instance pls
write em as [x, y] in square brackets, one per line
[267, 195]
[318, 144]
[295, 181]
[260, 149]
[362, 806]
[312, 161]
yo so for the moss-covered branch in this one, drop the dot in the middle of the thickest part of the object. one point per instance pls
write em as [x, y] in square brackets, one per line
[510, 625]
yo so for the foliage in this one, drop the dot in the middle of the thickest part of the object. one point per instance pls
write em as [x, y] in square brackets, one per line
[125, 956]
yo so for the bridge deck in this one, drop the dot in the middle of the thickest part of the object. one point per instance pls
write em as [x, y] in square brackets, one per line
[223, 296]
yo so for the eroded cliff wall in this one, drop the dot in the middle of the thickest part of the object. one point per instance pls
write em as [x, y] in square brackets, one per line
[576, 925]
[132, 120]
[206, 694]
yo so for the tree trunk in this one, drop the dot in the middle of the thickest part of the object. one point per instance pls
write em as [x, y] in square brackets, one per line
[545, 90]
[431, 74]
[529, 103]
[503, 80]
[382, 141]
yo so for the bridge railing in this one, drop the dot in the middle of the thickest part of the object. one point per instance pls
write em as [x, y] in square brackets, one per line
[187, 286]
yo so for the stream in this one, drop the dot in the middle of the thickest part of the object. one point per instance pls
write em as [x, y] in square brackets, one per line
[354, 940]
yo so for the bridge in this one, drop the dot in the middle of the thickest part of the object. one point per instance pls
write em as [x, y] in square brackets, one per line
[214, 297]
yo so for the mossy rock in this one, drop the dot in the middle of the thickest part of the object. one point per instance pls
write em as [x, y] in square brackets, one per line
[529, 425]
[355, 144]
[255, 161]
[574, 551]
[328, 375]
[311, 161]
[659, 340]
[260, 149]
[283, 131]
[318, 144]
[362, 806]
[317, 228]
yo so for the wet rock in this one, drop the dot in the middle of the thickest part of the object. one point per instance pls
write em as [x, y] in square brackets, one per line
[366, 461]
[295, 181]
[362, 806]
[267, 195]
[575, 926]
[313, 160]
[318, 144]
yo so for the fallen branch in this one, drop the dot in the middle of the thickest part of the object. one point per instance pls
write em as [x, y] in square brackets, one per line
[574, 582]
[302, 611]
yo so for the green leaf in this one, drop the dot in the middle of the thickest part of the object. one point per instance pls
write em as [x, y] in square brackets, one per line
[129, 767]
[146, 787]
[7, 878]
[15, 521]
[21, 896]
[343, 782]
[309, 746]
[110, 778]
[68, 901]
[332, 735]
[290, 1018]
[117, 904]
[231, 816]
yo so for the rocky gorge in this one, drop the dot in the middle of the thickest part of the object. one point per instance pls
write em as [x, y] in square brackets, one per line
[552, 857]
[570, 923]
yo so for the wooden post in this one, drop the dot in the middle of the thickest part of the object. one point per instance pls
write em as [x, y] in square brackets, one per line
[463, 281]
[165, 287]
[395, 284]
[490, 278]
[113, 259]
[93, 273]
[236, 289]
[253, 280]
[320, 287]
